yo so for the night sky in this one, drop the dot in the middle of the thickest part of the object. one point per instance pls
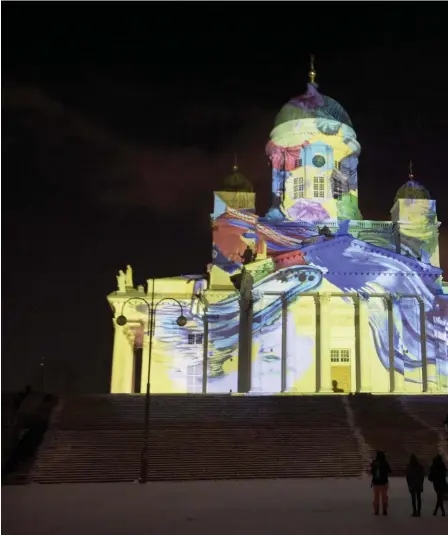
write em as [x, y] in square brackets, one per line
[120, 119]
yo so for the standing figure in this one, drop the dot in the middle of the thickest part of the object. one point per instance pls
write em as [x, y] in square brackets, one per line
[380, 471]
[248, 256]
[129, 278]
[415, 476]
[445, 423]
[121, 281]
[437, 475]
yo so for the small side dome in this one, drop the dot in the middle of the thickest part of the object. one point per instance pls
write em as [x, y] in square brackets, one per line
[412, 190]
[237, 182]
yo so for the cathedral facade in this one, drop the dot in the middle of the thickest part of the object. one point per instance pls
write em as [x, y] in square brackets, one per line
[310, 298]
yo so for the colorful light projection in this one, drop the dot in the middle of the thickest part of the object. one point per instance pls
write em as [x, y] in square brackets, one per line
[415, 216]
[314, 156]
[307, 294]
[340, 265]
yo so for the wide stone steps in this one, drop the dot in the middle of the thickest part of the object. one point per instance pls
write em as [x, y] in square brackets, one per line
[198, 437]
[198, 454]
[387, 426]
[432, 410]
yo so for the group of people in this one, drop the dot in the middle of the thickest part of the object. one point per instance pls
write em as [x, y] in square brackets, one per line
[415, 477]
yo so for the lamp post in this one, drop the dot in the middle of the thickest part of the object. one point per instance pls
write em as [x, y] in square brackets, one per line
[122, 320]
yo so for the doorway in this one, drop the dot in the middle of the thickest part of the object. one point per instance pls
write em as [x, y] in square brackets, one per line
[341, 370]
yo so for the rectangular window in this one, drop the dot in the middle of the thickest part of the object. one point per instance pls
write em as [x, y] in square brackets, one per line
[299, 188]
[299, 162]
[194, 379]
[194, 339]
[319, 187]
[340, 356]
[334, 355]
[337, 165]
[345, 355]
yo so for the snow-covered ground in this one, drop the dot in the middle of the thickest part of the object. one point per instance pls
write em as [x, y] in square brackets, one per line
[260, 507]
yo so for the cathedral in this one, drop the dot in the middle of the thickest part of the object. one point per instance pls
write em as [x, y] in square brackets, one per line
[310, 298]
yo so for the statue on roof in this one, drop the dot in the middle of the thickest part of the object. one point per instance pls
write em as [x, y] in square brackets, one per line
[129, 278]
[121, 281]
[248, 256]
[325, 231]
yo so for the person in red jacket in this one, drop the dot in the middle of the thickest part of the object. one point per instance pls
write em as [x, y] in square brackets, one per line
[380, 471]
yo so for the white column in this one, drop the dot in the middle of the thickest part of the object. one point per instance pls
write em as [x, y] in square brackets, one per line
[390, 330]
[145, 356]
[122, 363]
[205, 353]
[364, 344]
[423, 345]
[317, 352]
[357, 370]
[284, 365]
[325, 333]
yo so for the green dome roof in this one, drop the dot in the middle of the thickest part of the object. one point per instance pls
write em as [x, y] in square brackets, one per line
[237, 182]
[412, 190]
[312, 105]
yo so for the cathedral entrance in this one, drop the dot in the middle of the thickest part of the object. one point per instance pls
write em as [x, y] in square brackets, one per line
[341, 370]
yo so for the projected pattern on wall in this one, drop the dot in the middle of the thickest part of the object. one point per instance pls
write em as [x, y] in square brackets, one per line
[310, 293]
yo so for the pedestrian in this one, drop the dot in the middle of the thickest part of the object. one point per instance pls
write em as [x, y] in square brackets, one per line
[437, 475]
[415, 476]
[380, 471]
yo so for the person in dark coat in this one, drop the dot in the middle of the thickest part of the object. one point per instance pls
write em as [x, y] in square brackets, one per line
[437, 475]
[415, 476]
[380, 471]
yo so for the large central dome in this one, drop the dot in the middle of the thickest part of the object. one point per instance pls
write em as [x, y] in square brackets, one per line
[312, 105]
[314, 156]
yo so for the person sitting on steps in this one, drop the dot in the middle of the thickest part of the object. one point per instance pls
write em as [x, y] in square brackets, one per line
[336, 389]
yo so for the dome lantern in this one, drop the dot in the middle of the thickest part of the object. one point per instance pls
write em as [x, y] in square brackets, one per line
[236, 181]
[412, 189]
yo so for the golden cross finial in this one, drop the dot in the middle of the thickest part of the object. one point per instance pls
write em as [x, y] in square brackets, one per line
[411, 176]
[235, 162]
[312, 73]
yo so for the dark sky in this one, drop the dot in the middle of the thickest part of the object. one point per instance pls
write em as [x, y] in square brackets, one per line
[120, 119]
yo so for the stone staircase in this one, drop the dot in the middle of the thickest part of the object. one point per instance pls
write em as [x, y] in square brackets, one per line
[430, 412]
[30, 423]
[100, 438]
[386, 425]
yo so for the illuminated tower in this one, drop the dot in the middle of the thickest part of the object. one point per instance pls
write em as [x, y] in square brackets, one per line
[314, 156]
[234, 202]
[237, 193]
[415, 222]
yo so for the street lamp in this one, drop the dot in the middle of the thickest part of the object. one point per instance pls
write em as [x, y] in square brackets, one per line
[122, 320]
